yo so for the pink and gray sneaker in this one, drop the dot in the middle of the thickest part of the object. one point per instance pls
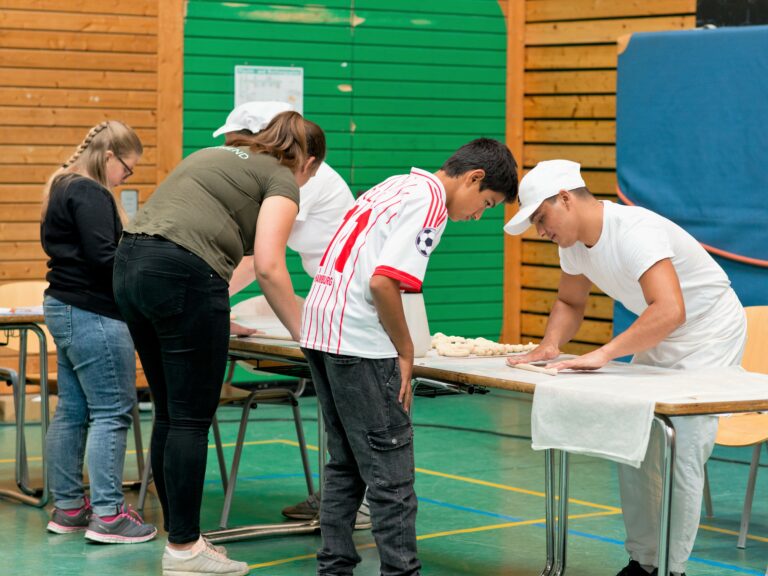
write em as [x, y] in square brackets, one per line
[68, 521]
[126, 527]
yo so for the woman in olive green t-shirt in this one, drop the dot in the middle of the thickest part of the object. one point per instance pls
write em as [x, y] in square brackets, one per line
[171, 279]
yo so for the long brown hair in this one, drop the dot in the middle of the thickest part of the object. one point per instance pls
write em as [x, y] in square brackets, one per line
[289, 137]
[90, 158]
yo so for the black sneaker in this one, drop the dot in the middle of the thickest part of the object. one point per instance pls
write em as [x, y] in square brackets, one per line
[635, 569]
[63, 523]
[305, 510]
[126, 528]
[309, 509]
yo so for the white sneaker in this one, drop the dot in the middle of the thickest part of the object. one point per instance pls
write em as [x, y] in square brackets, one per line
[220, 549]
[207, 562]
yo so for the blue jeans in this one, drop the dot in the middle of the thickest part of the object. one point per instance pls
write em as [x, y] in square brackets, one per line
[177, 309]
[97, 391]
[370, 441]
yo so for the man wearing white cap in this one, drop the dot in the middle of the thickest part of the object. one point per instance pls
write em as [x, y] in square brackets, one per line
[324, 201]
[688, 317]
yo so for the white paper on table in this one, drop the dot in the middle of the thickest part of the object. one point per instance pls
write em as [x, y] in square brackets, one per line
[609, 413]
[22, 311]
[256, 313]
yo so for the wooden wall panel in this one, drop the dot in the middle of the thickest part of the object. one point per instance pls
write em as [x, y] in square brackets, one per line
[514, 13]
[569, 110]
[64, 67]
[557, 10]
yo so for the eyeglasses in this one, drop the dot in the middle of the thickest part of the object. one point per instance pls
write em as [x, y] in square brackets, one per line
[128, 171]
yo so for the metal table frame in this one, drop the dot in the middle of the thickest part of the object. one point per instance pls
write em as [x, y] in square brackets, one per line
[279, 528]
[24, 324]
[556, 502]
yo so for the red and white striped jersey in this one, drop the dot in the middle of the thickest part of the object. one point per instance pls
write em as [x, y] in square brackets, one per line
[391, 231]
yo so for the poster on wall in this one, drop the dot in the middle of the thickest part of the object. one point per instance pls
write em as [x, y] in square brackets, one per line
[280, 83]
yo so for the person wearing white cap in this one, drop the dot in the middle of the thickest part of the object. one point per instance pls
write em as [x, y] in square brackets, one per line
[688, 317]
[325, 199]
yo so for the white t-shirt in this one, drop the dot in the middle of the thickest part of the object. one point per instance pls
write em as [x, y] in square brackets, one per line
[632, 240]
[324, 201]
[391, 231]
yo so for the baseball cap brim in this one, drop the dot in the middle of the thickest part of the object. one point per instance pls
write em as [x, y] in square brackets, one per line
[227, 128]
[520, 222]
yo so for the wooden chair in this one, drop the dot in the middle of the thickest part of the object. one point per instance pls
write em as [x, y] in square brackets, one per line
[31, 293]
[749, 429]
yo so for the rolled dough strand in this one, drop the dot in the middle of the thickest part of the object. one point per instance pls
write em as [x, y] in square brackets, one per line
[539, 369]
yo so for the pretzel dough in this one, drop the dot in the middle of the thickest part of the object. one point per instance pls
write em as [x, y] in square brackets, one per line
[458, 346]
[453, 350]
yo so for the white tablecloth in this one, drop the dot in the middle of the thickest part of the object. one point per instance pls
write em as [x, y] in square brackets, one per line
[609, 413]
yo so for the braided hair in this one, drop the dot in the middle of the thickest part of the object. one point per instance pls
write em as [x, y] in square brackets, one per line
[90, 158]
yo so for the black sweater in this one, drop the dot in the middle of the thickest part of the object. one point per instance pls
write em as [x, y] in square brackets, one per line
[80, 234]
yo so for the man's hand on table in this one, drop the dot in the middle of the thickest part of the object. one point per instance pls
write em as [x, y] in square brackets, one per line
[542, 352]
[590, 361]
[236, 329]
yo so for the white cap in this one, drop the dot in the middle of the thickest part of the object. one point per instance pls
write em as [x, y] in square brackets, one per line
[253, 116]
[544, 181]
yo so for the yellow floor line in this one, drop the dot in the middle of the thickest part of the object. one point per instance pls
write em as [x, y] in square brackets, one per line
[294, 559]
[510, 525]
[439, 535]
[13, 460]
[513, 489]
[731, 532]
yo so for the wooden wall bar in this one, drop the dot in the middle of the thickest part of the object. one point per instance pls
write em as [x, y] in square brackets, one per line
[64, 67]
[569, 111]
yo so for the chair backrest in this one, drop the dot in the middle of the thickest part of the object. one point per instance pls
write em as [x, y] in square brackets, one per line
[756, 351]
[25, 293]
[751, 428]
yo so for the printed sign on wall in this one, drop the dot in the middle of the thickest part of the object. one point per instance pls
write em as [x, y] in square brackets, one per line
[283, 84]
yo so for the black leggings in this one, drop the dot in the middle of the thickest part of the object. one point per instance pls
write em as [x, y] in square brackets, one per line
[177, 309]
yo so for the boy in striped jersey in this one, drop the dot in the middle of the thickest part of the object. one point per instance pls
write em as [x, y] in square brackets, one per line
[356, 340]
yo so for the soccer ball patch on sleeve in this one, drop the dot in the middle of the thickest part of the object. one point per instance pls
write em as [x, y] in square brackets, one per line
[426, 240]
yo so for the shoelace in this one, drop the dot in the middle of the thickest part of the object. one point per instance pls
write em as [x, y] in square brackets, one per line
[131, 514]
[220, 549]
[214, 552]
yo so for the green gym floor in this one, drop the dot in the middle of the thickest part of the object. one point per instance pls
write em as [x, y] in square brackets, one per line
[481, 504]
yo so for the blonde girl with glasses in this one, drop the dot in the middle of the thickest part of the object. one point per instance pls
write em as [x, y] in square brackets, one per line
[81, 224]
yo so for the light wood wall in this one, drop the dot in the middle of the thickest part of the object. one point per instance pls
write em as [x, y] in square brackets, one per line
[568, 97]
[64, 67]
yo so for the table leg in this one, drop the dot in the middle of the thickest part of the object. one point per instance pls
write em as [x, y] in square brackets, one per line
[322, 448]
[561, 545]
[667, 478]
[33, 496]
[281, 528]
[549, 502]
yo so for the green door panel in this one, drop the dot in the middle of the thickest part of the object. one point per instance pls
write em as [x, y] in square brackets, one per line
[394, 84]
